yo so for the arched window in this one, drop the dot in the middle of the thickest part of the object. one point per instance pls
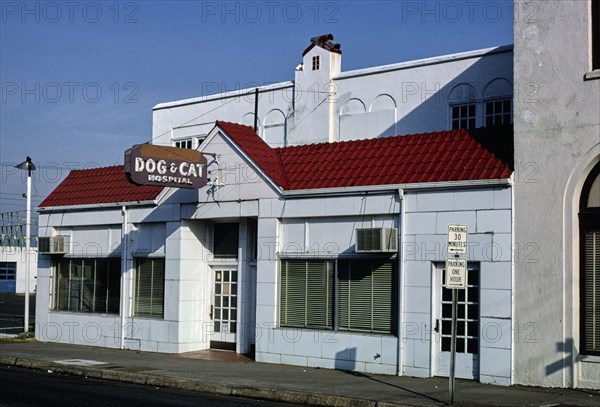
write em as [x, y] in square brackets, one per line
[589, 224]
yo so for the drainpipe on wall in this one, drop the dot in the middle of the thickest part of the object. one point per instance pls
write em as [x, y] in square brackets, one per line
[401, 217]
[124, 291]
[331, 113]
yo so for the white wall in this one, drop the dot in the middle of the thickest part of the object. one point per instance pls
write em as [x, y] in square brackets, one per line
[18, 256]
[557, 142]
[325, 226]
[488, 215]
[329, 105]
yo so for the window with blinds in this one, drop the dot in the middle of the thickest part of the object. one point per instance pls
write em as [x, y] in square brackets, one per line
[366, 300]
[149, 288]
[591, 293]
[306, 294]
[595, 37]
[589, 223]
[88, 285]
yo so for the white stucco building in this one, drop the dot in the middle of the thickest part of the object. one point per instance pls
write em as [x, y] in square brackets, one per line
[319, 240]
[557, 195]
[13, 254]
[13, 269]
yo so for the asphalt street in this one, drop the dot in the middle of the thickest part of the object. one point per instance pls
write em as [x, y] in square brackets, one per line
[23, 387]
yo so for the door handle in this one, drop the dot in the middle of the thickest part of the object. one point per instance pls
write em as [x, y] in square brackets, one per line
[437, 326]
[211, 312]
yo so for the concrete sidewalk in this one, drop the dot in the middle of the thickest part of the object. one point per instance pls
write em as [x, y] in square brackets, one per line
[225, 373]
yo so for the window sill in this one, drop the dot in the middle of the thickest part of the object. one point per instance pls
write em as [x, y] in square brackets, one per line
[84, 313]
[588, 358]
[223, 262]
[595, 74]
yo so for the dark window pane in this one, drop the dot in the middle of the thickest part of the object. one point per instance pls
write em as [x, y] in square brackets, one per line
[473, 294]
[473, 346]
[446, 294]
[446, 327]
[473, 277]
[473, 329]
[88, 285]
[460, 345]
[226, 237]
[446, 344]
[446, 310]
[473, 311]
[460, 328]
[460, 311]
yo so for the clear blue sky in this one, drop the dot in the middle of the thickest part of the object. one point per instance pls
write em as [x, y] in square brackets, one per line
[79, 79]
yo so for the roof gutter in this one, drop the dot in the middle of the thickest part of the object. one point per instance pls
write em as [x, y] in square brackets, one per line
[94, 206]
[396, 187]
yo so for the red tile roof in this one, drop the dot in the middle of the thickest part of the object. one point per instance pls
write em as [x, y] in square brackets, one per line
[455, 155]
[98, 186]
[260, 152]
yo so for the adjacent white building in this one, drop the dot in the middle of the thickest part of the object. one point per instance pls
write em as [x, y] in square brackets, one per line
[13, 254]
[557, 195]
[13, 269]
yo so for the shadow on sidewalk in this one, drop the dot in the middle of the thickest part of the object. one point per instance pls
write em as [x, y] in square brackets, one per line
[394, 385]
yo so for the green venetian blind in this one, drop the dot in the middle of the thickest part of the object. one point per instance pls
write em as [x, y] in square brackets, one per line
[306, 294]
[149, 288]
[366, 296]
[592, 292]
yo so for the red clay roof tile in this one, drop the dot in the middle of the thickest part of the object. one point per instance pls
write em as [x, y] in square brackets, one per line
[452, 155]
[98, 186]
[455, 155]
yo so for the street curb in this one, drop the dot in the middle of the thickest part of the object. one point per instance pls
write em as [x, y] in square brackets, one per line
[220, 389]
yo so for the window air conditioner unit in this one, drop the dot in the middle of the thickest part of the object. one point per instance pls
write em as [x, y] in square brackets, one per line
[54, 245]
[375, 240]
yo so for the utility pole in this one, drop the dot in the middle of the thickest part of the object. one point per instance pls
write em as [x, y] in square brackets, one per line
[27, 165]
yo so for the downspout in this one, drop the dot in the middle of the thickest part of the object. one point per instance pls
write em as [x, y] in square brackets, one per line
[256, 110]
[401, 217]
[124, 285]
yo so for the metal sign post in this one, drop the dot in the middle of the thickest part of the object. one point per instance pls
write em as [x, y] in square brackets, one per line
[456, 279]
[451, 376]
